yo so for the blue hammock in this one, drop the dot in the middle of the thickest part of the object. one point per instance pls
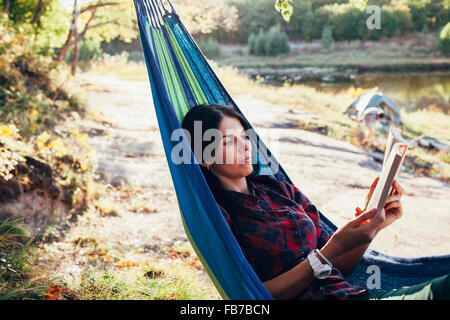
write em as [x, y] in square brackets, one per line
[180, 78]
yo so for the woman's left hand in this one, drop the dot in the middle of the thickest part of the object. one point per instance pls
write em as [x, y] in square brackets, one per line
[393, 206]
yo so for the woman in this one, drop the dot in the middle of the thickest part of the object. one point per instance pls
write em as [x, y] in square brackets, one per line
[278, 228]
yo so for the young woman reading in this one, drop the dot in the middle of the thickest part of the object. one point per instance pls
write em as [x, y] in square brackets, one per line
[278, 228]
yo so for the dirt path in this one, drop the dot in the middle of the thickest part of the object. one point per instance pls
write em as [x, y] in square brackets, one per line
[334, 175]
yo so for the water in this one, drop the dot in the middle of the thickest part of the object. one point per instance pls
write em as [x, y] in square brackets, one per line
[411, 91]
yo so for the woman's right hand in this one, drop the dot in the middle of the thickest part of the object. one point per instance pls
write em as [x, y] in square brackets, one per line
[357, 232]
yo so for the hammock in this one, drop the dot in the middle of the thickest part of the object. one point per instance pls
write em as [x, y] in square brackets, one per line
[180, 78]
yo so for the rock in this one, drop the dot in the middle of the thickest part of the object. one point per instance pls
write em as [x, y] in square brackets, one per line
[33, 197]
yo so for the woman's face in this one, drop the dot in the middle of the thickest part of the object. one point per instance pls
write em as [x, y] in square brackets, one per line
[234, 151]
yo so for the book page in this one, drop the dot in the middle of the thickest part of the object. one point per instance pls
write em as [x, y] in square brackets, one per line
[394, 137]
[387, 176]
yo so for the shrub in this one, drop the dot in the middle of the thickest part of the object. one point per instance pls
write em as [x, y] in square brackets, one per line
[404, 21]
[444, 39]
[251, 43]
[88, 49]
[210, 48]
[30, 95]
[348, 23]
[327, 38]
[271, 42]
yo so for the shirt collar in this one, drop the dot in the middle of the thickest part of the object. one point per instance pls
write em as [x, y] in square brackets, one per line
[222, 192]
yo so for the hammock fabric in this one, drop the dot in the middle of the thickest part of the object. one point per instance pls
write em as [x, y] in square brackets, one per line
[180, 78]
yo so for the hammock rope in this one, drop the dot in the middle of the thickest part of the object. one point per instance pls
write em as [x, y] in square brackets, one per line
[180, 77]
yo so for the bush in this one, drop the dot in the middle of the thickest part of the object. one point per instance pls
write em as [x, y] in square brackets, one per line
[277, 42]
[348, 23]
[251, 43]
[404, 21]
[388, 23]
[88, 49]
[211, 48]
[327, 38]
[31, 95]
[444, 39]
[271, 43]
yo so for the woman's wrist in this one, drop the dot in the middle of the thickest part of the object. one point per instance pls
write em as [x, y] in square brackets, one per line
[331, 251]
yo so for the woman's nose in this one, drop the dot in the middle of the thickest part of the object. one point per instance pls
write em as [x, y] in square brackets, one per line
[245, 144]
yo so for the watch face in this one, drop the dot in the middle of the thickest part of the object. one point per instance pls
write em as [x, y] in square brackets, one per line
[325, 272]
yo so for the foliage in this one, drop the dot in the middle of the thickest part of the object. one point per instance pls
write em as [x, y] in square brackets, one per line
[252, 16]
[30, 96]
[327, 38]
[89, 49]
[271, 43]
[285, 7]
[444, 39]
[347, 18]
[210, 48]
[48, 26]
[203, 16]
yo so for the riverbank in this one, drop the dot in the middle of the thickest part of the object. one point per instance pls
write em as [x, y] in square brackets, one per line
[320, 112]
[394, 55]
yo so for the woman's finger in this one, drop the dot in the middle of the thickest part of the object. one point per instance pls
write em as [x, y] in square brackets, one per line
[373, 185]
[358, 211]
[371, 190]
[392, 205]
[395, 197]
[364, 217]
[398, 188]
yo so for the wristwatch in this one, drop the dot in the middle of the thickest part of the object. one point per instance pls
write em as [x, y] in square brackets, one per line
[320, 270]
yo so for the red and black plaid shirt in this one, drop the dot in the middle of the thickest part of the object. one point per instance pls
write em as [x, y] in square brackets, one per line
[277, 226]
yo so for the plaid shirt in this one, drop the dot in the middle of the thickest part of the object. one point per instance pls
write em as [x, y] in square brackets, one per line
[277, 226]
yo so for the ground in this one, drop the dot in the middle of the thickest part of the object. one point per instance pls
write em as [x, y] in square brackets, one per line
[333, 174]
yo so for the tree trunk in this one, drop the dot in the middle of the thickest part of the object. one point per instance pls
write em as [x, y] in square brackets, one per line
[6, 9]
[73, 35]
[75, 45]
[38, 13]
[63, 50]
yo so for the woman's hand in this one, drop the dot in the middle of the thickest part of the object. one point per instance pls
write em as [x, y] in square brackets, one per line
[357, 232]
[393, 207]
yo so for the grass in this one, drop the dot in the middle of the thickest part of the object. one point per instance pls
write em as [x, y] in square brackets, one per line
[156, 278]
[18, 280]
[145, 283]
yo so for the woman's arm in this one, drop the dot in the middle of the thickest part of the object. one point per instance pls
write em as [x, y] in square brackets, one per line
[290, 284]
[356, 233]
[347, 262]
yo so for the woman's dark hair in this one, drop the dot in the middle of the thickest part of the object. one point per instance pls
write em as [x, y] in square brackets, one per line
[210, 115]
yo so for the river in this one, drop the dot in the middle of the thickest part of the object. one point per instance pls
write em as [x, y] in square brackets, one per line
[411, 91]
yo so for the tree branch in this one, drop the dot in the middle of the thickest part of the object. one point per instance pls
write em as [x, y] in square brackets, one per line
[98, 5]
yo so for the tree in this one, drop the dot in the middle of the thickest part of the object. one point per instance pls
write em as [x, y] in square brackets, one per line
[99, 21]
[203, 16]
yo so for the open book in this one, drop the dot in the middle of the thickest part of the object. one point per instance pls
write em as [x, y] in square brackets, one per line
[396, 147]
